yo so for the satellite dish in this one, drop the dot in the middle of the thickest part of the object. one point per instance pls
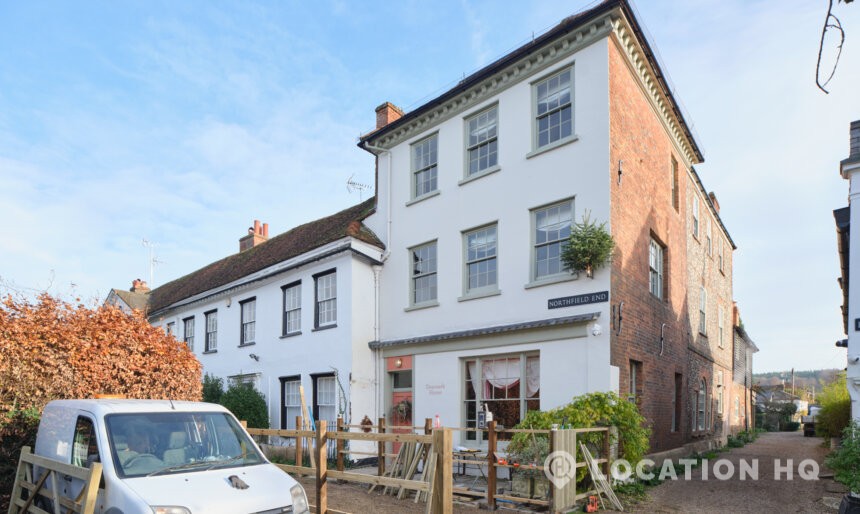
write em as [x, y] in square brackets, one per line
[353, 186]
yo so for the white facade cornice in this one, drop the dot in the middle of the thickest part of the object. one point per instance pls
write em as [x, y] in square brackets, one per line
[540, 59]
[641, 68]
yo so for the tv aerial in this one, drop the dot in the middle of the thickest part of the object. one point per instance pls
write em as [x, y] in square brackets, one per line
[353, 186]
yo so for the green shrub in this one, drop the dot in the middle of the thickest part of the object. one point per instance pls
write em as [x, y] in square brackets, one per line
[735, 442]
[589, 247]
[845, 461]
[247, 404]
[213, 388]
[17, 429]
[791, 426]
[587, 411]
[835, 413]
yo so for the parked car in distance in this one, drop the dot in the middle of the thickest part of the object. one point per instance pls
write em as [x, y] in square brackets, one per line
[809, 421]
[165, 457]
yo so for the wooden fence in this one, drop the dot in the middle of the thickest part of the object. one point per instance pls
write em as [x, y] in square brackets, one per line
[440, 488]
[53, 472]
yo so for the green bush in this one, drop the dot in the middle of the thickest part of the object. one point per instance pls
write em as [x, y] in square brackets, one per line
[589, 247]
[247, 404]
[735, 442]
[791, 426]
[845, 461]
[213, 388]
[17, 429]
[587, 411]
[835, 413]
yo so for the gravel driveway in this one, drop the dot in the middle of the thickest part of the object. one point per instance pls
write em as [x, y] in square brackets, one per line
[763, 495]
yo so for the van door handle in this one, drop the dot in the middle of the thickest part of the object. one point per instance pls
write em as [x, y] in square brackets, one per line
[67, 478]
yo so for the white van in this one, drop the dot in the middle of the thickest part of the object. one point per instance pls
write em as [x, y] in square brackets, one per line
[166, 457]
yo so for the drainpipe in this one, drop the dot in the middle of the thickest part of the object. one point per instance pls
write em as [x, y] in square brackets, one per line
[381, 150]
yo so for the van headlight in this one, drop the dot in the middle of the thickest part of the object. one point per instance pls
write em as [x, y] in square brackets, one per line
[300, 500]
[169, 509]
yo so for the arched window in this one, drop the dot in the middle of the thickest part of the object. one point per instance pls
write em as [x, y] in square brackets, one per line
[701, 404]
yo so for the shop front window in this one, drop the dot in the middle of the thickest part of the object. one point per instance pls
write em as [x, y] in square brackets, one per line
[507, 386]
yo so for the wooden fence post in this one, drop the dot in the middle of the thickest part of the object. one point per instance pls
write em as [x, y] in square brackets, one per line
[442, 498]
[491, 465]
[300, 444]
[339, 445]
[322, 489]
[380, 448]
[428, 426]
[605, 452]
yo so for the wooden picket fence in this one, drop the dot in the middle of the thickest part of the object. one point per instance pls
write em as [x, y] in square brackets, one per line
[439, 488]
[53, 472]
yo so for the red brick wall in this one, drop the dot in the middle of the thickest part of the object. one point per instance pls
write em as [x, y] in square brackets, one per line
[641, 208]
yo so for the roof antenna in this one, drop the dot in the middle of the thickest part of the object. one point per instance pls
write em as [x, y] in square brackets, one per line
[352, 186]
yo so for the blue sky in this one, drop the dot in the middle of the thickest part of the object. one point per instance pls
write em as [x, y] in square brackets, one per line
[182, 122]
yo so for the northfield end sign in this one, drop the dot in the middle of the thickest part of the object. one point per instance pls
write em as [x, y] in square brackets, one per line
[580, 299]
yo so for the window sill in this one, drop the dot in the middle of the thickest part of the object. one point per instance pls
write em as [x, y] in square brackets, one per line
[419, 306]
[480, 174]
[554, 279]
[552, 146]
[479, 294]
[422, 198]
[327, 327]
[291, 334]
[210, 351]
[252, 343]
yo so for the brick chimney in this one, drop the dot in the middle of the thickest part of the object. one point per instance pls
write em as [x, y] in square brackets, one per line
[736, 315]
[714, 201]
[256, 235]
[139, 286]
[386, 113]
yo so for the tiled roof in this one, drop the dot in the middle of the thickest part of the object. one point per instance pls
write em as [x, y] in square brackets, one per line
[285, 246]
[134, 300]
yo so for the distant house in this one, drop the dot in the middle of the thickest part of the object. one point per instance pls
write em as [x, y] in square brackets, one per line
[741, 408]
[134, 299]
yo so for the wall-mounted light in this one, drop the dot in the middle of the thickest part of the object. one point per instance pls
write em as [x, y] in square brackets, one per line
[255, 357]
[229, 302]
[620, 171]
[398, 363]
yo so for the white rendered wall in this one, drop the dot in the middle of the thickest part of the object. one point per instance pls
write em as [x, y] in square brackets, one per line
[314, 351]
[579, 170]
[853, 373]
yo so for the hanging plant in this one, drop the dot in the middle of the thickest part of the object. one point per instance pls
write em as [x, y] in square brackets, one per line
[589, 247]
[366, 424]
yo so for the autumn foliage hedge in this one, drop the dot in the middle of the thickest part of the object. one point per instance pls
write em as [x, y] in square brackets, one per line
[51, 349]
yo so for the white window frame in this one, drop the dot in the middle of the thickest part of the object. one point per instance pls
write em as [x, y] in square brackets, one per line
[248, 324]
[325, 299]
[479, 388]
[560, 241]
[487, 137]
[211, 344]
[720, 253]
[292, 322]
[737, 414]
[720, 390]
[703, 311]
[417, 275]
[710, 245]
[330, 395]
[721, 326]
[696, 216]
[656, 259]
[489, 288]
[702, 405]
[431, 166]
[292, 393]
[252, 379]
[537, 117]
[188, 335]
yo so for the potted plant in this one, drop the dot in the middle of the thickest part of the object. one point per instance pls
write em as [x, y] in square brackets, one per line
[366, 424]
[528, 455]
[845, 462]
[589, 246]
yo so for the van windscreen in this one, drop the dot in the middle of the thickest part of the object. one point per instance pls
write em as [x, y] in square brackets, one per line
[148, 444]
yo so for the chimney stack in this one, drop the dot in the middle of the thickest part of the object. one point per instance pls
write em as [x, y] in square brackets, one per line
[258, 234]
[714, 201]
[387, 113]
[855, 140]
[736, 315]
[139, 286]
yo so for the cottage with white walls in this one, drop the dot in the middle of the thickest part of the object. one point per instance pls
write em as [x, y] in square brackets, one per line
[287, 311]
